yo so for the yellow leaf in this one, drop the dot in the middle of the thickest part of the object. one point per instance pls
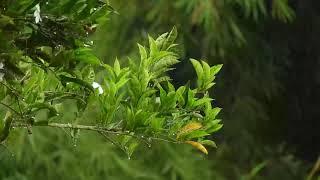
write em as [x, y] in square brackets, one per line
[189, 127]
[198, 146]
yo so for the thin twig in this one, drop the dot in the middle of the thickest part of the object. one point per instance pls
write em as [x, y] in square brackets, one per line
[112, 141]
[7, 106]
[20, 110]
[12, 90]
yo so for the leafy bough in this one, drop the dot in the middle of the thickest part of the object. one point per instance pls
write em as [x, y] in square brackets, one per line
[126, 105]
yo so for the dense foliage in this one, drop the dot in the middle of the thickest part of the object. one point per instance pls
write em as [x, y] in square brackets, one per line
[136, 103]
[59, 40]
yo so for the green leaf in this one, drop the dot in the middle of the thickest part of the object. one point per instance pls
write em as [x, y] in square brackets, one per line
[4, 132]
[133, 146]
[254, 172]
[157, 123]
[208, 143]
[197, 134]
[153, 47]
[116, 67]
[206, 71]
[202, 101]
[214, 128]
[212, 113]
[199, 70]
[170, 39]
[5, 20]
[160, 40]
[38, 106]
[212, 124]
[143, 52]
[101, 12]
[208, 86]
[121, 83]
[215, 69]
[86, 55]
[164, 62]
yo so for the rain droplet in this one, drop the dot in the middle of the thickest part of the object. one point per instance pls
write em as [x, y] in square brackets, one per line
[142, 136]
[129, 157]
[94, 9]
[47, 3]
[149, 145]
[54, 32]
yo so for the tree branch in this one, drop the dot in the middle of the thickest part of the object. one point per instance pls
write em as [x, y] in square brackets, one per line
[72, 126]
[101, 130]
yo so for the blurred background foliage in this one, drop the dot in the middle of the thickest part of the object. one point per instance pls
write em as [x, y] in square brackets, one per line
[267, 89]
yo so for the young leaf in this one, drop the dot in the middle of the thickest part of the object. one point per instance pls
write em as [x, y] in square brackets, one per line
[153, 47]
[143, 52]
[197, 66]
[170, 39]
[206, 71]
[215, 69]
[188, 128]
[160, 40]
[198, 145]
[116, 67]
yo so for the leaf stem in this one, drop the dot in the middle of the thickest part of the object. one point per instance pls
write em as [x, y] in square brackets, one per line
[7, 106]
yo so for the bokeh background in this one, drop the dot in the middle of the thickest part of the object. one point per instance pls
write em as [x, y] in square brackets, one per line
[269, 89]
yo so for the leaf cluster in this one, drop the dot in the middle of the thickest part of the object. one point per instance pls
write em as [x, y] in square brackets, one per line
[50, 69]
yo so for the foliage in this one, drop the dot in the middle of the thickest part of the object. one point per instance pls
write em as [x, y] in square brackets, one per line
[133, 104]
[222, 31]
[250, 88]
[253, 70]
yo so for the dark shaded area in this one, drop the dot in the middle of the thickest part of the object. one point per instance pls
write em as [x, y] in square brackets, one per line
[302, 86]
[293, 114]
